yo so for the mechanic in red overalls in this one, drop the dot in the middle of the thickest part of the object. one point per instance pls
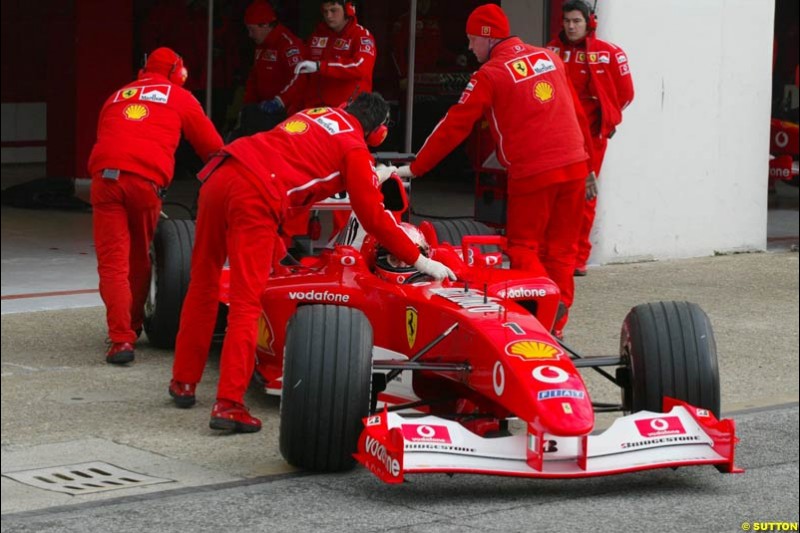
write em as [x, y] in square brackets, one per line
[248, 191]
[278, 51]
[132, 161]
[542, 140]
[342, 58]
[600, 73]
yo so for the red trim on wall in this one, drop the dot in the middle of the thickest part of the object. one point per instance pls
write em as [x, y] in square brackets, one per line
[23, 144]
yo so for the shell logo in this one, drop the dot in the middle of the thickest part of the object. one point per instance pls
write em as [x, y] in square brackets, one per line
[135, 112]
[543, 91]
[533, 350]
[296, 127]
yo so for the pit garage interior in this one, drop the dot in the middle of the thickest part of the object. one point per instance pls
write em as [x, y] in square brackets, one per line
[61, 60]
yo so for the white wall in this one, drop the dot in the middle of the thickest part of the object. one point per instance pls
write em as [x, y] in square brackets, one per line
[686, 173]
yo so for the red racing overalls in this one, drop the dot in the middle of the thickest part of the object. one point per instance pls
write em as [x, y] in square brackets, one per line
[542, 140]
[265, 178]
[132, 161]
[600, 73]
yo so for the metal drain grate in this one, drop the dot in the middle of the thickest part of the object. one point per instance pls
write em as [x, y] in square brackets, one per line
[84, 478]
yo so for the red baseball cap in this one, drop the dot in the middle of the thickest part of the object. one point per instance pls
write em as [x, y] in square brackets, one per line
[259, 12]
[488, 20]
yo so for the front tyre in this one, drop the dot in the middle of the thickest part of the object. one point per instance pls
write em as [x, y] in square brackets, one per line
[327, 375]
[668, 349]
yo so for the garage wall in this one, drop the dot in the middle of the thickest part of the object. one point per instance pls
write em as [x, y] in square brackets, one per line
[686, 173]
[527, 20]
[24, 132]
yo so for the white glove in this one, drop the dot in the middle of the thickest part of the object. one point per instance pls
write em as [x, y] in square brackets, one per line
[306, 67]
[405, 171]
[384, 172]
[434, 269]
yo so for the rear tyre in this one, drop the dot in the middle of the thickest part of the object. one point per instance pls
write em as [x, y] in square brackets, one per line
[454, 229]
[327, 375]
[171, 260]
[668, 349]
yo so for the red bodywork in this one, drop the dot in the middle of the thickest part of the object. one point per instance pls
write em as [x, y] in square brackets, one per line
[497, 361]
[784, 151]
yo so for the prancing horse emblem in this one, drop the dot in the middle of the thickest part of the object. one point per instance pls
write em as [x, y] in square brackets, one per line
[411, 326]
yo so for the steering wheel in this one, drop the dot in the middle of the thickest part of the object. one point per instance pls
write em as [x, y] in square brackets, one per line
[417, 277]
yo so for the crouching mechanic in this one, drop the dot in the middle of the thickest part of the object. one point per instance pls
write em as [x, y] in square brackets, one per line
[542, 139]
[132, 161]
[249, 189]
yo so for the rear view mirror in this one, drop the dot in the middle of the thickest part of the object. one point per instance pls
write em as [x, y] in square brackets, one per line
[395, 197]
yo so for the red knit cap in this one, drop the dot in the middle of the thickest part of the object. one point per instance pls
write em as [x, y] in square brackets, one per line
[488, 20]
[163, 61]
[259, 12]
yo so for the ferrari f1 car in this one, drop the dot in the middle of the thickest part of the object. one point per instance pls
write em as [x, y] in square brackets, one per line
[408, 375]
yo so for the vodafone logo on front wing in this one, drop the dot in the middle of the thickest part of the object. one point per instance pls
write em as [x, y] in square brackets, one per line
[659, 427]
[378, 451]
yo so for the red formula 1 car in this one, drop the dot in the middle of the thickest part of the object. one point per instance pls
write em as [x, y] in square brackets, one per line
[783, 150]
[424, 376]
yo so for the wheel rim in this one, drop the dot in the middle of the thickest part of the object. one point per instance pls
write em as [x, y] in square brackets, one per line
[624, 376]
[150, 303]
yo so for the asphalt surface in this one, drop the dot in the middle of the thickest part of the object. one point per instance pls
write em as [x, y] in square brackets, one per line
[691, 499]
[62, 404]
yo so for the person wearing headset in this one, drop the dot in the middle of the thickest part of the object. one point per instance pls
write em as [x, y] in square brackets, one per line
[271, 84]
[600, 73]
[542, 140]
[248, 191]
[131, 163]
[341, 57]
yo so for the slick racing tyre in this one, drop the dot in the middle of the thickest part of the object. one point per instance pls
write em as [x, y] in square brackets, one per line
[668, 349]
[327, 374]
[171, 259]
[454, 229]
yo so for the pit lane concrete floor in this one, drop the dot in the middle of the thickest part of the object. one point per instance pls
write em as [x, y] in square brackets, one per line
[61, 404]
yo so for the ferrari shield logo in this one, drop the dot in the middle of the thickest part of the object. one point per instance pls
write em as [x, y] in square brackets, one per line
[126, 94]
[316, 111]
[411, 326]
[265, 335]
